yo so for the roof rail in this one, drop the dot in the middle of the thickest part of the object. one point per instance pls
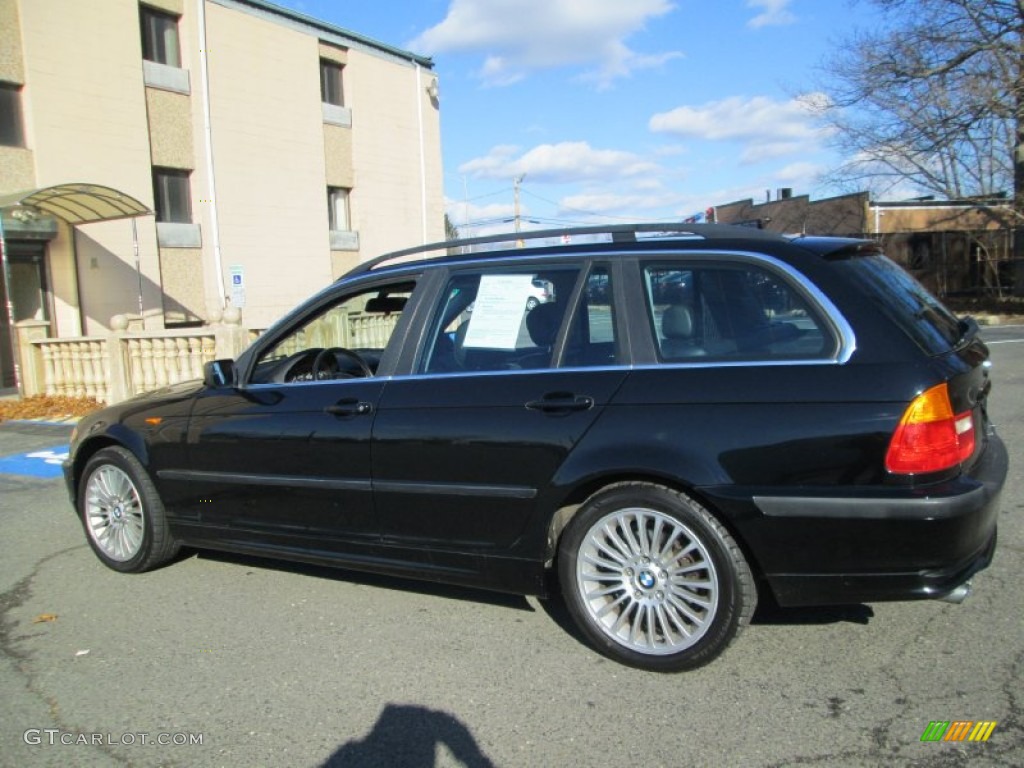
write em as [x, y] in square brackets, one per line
[616, 233]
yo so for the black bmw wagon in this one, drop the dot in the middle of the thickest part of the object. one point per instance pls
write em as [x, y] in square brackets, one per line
[662, 423]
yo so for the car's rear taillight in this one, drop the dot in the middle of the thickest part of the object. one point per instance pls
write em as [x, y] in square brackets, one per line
[930, 437]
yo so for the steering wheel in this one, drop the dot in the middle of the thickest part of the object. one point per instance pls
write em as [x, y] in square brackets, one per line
[321, 370]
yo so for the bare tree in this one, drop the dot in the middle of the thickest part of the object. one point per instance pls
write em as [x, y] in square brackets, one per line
[451, 232]
[932, 96]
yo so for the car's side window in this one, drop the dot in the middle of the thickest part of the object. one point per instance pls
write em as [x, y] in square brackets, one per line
[344, 340]
[592, 337]
[703, 312]
[498, 320]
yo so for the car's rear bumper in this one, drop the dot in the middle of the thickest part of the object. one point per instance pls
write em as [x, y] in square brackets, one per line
[792, 589]
[892, 544]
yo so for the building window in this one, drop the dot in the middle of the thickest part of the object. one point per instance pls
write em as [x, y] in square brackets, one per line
[337, 209]
[331, 91]
[11, 133]
[172, 195]
[160, 37]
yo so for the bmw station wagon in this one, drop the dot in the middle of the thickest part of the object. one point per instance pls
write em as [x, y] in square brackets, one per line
[695, 418]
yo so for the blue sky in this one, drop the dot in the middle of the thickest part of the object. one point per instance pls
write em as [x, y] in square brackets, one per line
[615, 110]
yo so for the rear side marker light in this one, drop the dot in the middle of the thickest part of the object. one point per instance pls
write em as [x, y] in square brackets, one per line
[930, 437]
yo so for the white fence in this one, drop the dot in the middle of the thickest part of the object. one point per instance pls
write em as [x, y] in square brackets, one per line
[122, 364]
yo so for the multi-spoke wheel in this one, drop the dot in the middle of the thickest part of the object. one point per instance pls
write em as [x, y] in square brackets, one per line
[653, 579]
[122, 513]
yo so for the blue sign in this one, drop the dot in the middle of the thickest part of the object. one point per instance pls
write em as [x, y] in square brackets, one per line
[42, 463]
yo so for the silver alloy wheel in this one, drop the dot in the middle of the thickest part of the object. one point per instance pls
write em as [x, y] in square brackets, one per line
[113, 513]
[647, 581]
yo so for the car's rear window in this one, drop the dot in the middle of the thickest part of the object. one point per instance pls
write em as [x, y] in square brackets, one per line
[908, 303]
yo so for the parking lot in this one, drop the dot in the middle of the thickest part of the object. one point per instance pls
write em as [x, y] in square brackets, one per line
[227, 661]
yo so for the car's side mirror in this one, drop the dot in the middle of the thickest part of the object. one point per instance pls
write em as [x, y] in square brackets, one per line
[219, 373]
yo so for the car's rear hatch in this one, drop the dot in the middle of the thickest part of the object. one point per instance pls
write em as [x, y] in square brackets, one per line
[959, 359]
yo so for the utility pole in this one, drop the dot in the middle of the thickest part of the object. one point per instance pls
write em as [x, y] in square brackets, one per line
[515, 190]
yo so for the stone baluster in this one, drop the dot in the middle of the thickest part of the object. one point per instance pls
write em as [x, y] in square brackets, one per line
[179, 359]
[195, 356]
[88, 384]
[61, 368]
[49, 375]
[209, 349]
[137, 380]
[75, 386]
[159, 362]
[108, 388]
[146, 358]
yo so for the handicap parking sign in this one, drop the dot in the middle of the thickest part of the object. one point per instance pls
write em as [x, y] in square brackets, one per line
[42, 463]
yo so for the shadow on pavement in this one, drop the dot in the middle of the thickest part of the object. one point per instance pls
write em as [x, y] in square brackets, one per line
[451, 592]
[769, 612]
[407, 736]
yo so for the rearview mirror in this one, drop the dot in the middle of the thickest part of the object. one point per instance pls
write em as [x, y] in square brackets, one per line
[219, 373]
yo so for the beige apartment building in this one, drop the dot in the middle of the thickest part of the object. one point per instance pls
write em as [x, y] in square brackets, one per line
[171, 158]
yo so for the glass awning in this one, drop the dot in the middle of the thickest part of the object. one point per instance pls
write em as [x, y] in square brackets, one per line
[77, 203]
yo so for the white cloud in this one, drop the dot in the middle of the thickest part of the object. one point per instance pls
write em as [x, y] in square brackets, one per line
[495, 214]
[801, 174]
[769, 150]
[614, 203]
[774, 13]
[768, 128]
[518, 36]
[671, 150]
[759, 118]
[563, 163]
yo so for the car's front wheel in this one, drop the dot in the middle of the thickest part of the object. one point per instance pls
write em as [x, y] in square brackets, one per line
[653, 579]
[122, 513]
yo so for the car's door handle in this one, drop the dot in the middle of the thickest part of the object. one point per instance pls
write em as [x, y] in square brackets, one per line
[349, 407]
[561, 402]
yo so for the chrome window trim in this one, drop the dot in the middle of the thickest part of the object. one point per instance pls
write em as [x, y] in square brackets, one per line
[583, 258]
[831, 313]
[842, 328]
[624, 367]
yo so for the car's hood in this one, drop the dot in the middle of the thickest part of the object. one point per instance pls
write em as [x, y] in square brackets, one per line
[170, 392]
[147, 401]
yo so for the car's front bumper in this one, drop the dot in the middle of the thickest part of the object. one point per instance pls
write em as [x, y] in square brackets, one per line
[888, 544]
[68, 467]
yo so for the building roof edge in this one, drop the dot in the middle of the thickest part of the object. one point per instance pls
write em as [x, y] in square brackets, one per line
[312, 21]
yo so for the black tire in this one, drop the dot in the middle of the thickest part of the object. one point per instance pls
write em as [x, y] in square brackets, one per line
[531, 303]
[652, 579]
[121, 511]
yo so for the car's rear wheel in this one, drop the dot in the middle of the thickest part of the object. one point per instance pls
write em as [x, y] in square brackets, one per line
[122, 513]
[653, 579]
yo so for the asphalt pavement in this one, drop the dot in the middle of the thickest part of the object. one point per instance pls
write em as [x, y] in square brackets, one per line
[227, 661]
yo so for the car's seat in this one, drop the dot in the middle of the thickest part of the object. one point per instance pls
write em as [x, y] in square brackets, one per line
[542, 323]
[678, 329]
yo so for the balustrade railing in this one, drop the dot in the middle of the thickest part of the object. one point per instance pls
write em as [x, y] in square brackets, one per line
[120, 365]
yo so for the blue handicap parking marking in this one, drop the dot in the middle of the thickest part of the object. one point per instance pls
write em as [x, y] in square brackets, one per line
[42, 463]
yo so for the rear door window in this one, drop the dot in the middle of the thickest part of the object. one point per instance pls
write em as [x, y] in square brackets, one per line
[703, 312]
[499, 320]
[592, 339]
